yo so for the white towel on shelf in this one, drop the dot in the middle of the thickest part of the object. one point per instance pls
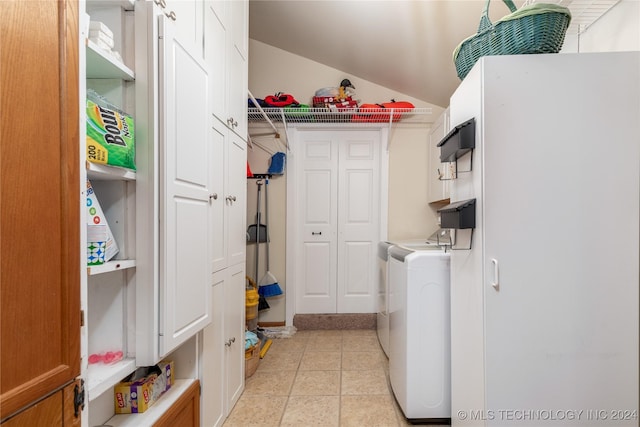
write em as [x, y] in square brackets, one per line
[103, 37]
[99, 26]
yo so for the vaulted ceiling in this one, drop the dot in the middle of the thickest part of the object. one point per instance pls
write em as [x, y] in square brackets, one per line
[406, 46]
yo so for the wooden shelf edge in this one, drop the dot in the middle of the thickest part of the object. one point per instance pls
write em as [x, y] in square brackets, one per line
[157, 410]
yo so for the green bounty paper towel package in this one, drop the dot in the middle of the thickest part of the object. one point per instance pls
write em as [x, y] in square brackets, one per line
[110, 134]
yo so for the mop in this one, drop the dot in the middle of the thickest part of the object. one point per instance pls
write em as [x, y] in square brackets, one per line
[268, 285]
[259, 234]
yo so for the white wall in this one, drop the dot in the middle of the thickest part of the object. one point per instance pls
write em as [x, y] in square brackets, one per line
[274, 70]
[616, 30]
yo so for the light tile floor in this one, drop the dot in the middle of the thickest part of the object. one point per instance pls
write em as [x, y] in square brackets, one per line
[320, 378]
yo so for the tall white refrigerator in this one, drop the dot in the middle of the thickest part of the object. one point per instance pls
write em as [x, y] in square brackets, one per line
[544, 304]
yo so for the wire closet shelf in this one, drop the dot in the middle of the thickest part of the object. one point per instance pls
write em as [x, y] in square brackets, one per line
[367, 117]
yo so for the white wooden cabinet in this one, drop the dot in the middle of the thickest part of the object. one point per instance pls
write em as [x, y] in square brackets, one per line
[223, 345]
[152, 300]
[335, 218]
[541, 312]
[228, 92]
[223, 340]
[440, 173]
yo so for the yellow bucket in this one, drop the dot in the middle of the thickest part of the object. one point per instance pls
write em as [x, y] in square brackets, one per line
[252, 300]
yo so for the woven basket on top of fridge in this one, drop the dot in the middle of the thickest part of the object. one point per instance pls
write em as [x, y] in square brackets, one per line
[534, 28]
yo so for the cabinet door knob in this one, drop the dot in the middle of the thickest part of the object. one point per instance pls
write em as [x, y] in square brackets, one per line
[316, 233]
[231, 198]
[161, 3]
[171, 15]
[213, 196]
[230, 121]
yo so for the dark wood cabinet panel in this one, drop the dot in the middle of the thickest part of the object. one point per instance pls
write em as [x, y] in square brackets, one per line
[39, 202]
[185, 412]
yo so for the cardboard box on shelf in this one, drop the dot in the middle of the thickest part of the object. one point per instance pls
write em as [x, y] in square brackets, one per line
[101, 246]
[143, 388]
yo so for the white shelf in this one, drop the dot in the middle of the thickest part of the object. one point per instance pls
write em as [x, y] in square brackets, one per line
[157, 410]
[100, 172]
[125, 4]
[108, 267]
[101, 377]
[351, 116]
[102, 65]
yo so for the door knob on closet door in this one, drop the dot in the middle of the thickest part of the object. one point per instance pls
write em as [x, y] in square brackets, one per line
[213, 196]
[171, 15]
[161, 3]
[230, 341]
[231, 198]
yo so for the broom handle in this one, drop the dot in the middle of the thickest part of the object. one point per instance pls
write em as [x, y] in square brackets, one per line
[266, 215]
[259, 184]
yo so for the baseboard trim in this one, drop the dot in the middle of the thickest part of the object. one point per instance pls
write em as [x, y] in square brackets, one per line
[270, 324]
[335, 321]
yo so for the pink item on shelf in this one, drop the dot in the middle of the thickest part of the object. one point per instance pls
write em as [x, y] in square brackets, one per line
[95, 358]
[106, 358]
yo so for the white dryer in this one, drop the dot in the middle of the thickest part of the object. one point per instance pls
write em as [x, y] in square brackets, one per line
[419, 331]
[382, 323]
[383, 285]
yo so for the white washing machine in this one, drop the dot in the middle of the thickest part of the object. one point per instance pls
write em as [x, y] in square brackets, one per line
[419, 331]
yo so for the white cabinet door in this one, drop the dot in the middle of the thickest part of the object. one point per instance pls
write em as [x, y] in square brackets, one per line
[219, 204]
[226, 41]
[337, 193]
[240, 27]
[186, 158]
[213, 364]
[237, 96]
[188, 17]
[215, 44]
[236, 199]
[234, 325]
[223, 346]
[229, 204]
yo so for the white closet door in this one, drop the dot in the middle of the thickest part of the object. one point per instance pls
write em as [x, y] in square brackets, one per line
[358, 220]
[317, 208]
[186, 158]
[338, 220]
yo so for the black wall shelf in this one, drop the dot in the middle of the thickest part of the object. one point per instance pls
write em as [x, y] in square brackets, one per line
[459, 141]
